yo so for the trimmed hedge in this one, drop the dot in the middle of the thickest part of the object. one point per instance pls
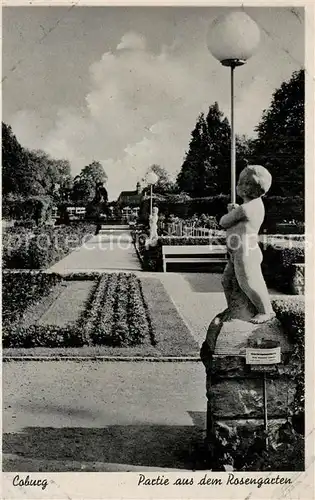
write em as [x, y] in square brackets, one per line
[278, 258]
[291, 313]
[39, 249]
[21, 290]
[278, 209]
[36, 208]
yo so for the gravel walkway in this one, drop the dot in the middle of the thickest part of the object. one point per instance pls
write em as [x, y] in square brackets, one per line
[101, 416]
[110, 249]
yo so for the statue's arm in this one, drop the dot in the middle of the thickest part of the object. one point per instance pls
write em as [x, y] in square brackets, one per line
[233, 217]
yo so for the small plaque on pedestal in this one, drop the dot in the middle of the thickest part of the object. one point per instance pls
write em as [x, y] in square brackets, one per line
[263, 355]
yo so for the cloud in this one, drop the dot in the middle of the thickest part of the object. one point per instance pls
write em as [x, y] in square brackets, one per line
[140, 109]
[132, 41]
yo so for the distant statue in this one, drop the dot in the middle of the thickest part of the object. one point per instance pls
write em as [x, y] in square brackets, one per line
[101, 199]
[100, 193]
[242, 224]
[153, 221]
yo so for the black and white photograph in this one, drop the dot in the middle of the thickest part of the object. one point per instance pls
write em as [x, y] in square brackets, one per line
[154, 241]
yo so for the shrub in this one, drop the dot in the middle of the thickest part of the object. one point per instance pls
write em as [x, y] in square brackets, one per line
[20, 290]
[26, 249]
[244, 449]
[291, 314]
[278, 258]
[39, 336]
[36, 208]
[281, 208]
[278, 209]
[184, 208]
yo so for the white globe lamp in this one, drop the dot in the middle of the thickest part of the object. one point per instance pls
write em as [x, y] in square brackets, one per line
[152, 178]
[232, 39]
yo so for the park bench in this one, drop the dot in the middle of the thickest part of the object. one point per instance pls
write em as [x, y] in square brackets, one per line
[194, 254]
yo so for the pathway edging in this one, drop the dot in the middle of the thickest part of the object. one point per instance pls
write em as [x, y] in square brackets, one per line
[152, 359]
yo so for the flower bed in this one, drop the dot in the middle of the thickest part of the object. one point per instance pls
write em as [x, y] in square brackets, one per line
[115, 313]
[24, 248]
[118, 315]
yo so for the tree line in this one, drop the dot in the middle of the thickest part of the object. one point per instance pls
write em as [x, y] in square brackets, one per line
[205, 171]
[27, 173]
[279, 146]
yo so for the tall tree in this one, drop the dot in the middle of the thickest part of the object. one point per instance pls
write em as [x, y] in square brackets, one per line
[280, 142]
[206, 168]
[15, 170]
[191, 178]
[47, 172]
[25, 172]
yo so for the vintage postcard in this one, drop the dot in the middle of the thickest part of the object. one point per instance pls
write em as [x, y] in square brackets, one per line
[157, 250]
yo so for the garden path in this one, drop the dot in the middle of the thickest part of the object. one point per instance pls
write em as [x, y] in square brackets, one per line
[96, 416]
[112, 249]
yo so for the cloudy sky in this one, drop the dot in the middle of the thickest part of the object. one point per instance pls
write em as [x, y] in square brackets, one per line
[125, 85]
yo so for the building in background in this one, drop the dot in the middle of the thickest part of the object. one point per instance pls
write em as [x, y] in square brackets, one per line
[128, 203]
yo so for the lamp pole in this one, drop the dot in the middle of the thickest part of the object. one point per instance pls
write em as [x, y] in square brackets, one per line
[151, 178]
[233, 63]
[233, 152]
[232, 39]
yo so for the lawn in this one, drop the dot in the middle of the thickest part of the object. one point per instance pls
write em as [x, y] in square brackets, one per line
[116, 315]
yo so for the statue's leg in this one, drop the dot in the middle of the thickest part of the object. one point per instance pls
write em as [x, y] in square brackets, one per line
[227, 280]
[251, 281]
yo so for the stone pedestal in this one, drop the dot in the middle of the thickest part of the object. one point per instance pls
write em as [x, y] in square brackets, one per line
[234, 391]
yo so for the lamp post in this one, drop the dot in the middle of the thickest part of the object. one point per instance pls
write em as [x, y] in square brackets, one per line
[233, 39]
[151, 178]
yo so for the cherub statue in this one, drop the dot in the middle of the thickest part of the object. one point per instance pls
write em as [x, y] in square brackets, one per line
[242, 223]
[153, 220]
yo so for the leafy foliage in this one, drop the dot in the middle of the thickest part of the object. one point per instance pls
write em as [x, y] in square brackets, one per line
[84, 184]
[280, 142]
[20, 290]
[164, 184]
[26, 249]
[27, 172]
[278, 258]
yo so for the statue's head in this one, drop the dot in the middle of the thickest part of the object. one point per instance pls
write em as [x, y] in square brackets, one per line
[254, 181]
[155, 210]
